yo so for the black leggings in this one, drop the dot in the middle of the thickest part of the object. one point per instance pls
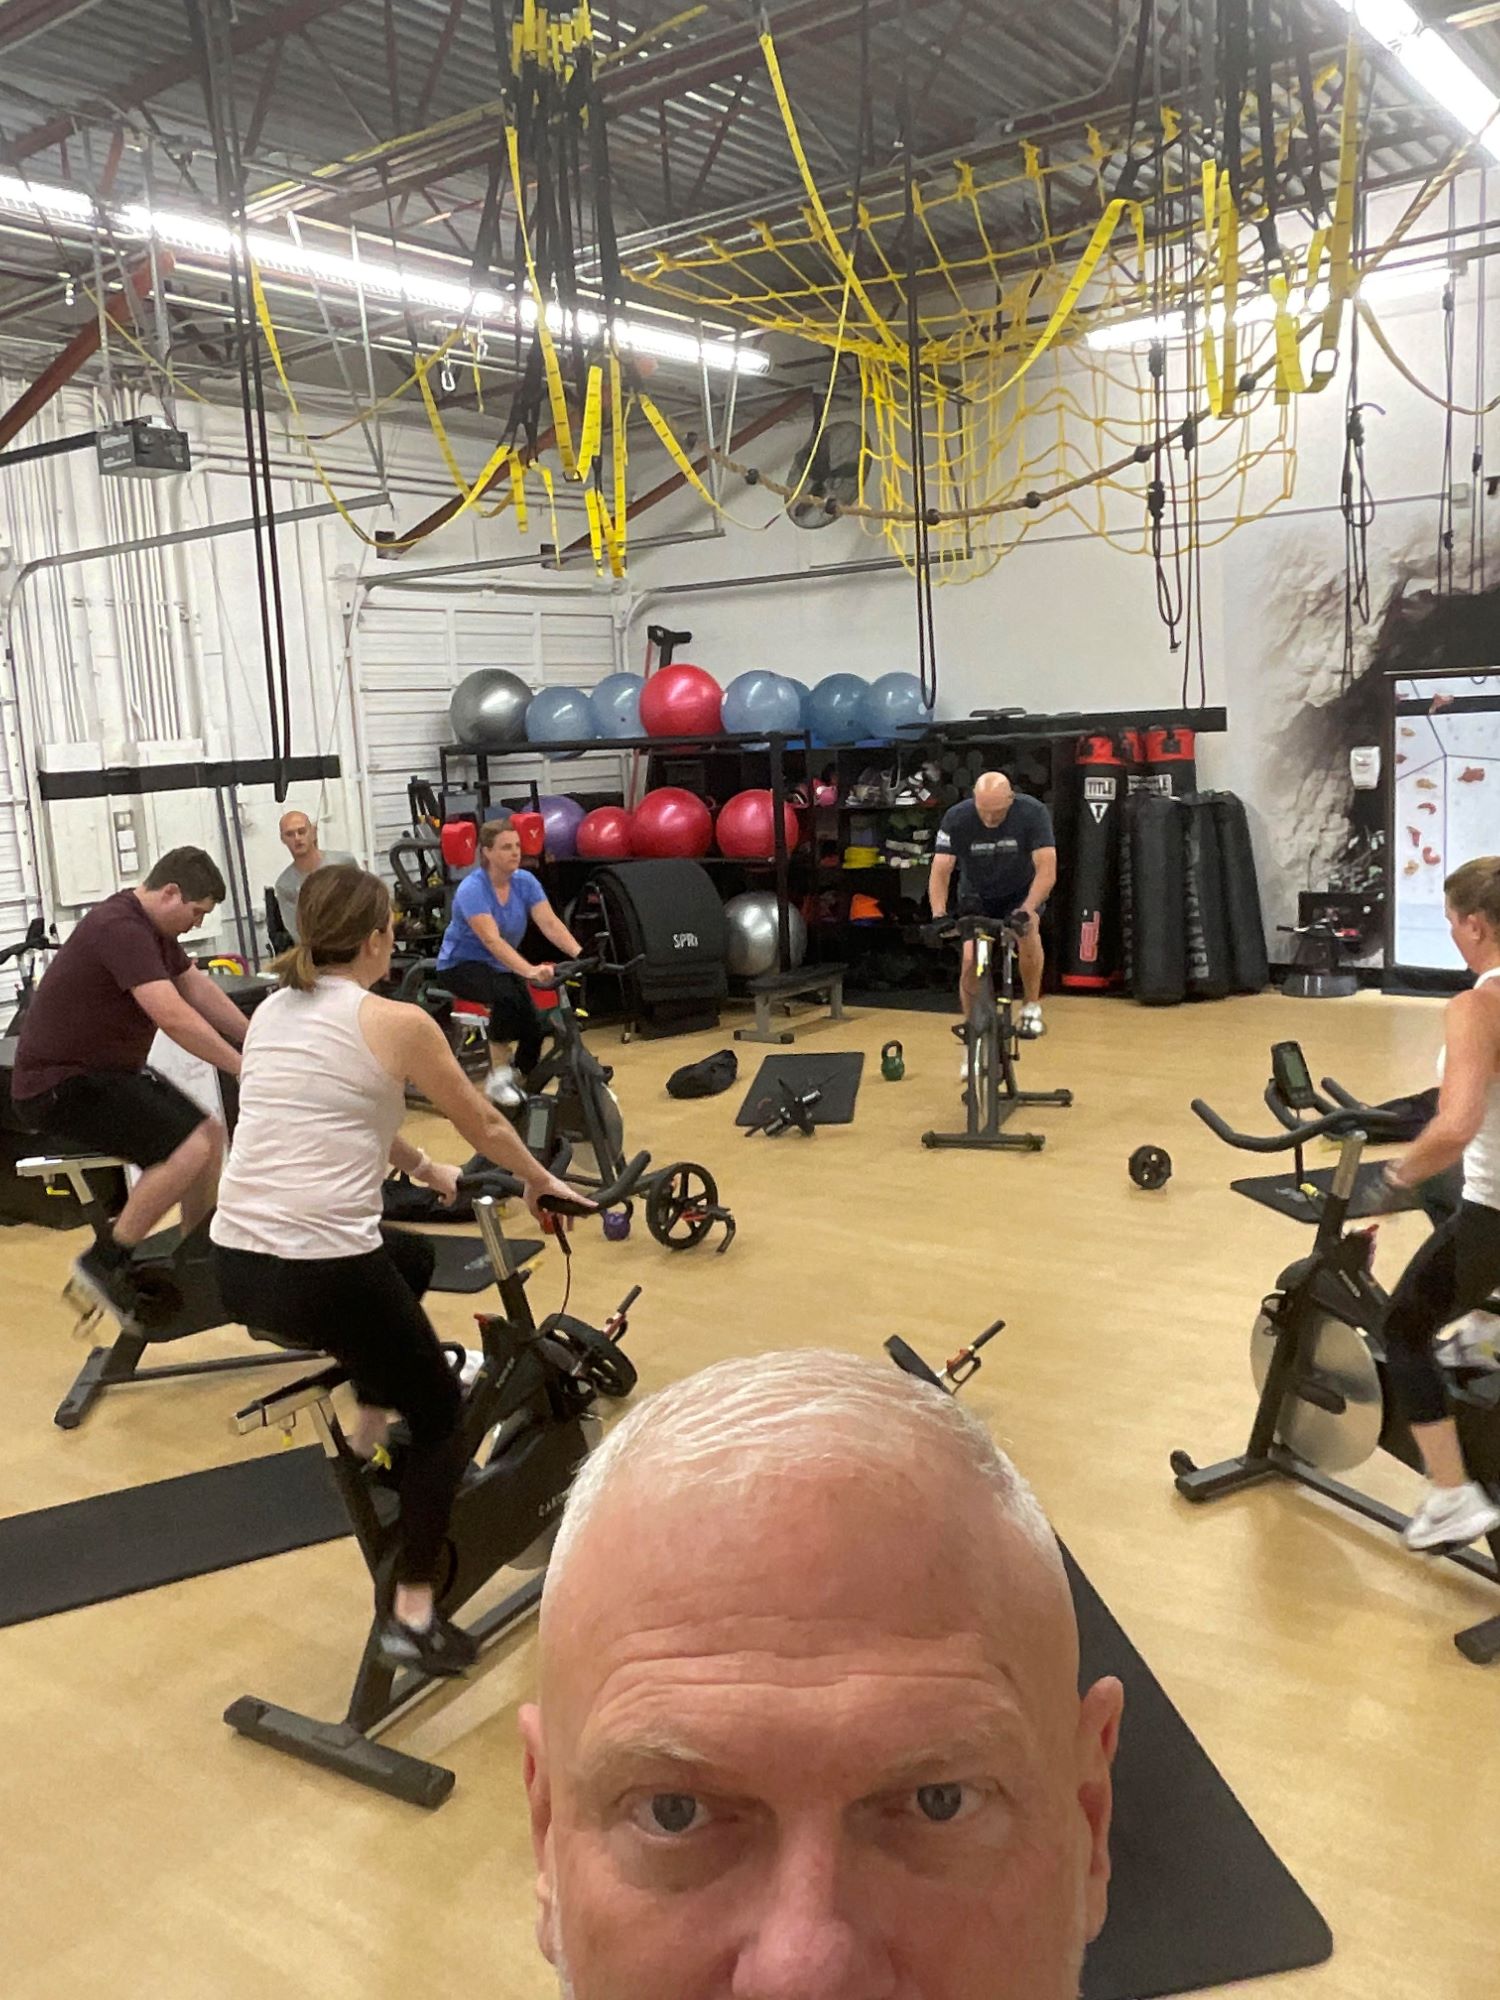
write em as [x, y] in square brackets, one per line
[1456, 1269]
[513, 1015]
[365, 1311]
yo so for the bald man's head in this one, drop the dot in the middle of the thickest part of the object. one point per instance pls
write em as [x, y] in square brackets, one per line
[992, 796]
[809, 1700]
[299, 836]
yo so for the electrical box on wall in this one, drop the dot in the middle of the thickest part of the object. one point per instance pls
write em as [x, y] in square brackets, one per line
[142, 450]
[83, 861]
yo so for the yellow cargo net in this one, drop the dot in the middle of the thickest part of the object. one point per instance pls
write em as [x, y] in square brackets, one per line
[1023, 421]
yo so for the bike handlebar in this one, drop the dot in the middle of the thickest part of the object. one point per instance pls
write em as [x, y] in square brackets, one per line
[569, 970]
[947, 930]
[1352, 1118]
[497, 1181]
[36, 939]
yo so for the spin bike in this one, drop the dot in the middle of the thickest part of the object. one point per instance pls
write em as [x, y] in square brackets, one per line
[991, 1040]
[25, 952]
[569, 1101]
[528, 1424]
[174, 1274]
[1316, 1350]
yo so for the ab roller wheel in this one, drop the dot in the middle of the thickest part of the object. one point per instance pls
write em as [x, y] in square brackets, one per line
[683, 1206]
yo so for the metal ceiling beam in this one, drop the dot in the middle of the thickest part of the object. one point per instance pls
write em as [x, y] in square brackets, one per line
[22, 19]
[643, 502]
[625, 87]
[81, 348]
[248, 34]
[707, 59]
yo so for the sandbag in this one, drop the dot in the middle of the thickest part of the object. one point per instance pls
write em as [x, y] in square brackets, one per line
[1158, 870]
[1091, 949]
[1250, 969]
[1210, 956]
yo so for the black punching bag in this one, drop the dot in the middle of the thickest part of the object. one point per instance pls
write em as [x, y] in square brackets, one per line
[1210, 955]
[1247, 933]
[1158, 876]
[1171, 762]
[1091, 952]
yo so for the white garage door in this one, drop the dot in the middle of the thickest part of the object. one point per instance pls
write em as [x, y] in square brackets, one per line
[410, 657]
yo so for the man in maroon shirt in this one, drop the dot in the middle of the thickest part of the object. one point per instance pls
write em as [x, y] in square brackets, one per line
[81, 1072]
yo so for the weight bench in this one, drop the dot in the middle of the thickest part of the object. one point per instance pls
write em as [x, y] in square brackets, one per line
[820, 983]
[186, 1265]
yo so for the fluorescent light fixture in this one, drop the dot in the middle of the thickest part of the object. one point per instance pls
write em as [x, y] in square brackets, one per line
[1434, 66]
[1259, 308]
[202, 236]
[50, 204]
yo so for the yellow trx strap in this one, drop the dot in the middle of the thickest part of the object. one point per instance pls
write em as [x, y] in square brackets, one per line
[1342, 277]
[518, 491]
[818, 216]
[546, 478]
[470, 494]
[561, 422]
[674, 450]
[1210, 345]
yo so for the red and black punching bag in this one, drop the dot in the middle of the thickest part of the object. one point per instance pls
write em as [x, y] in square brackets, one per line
[1171, 762]
[1091, 950]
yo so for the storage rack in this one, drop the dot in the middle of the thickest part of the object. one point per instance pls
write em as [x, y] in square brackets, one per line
[716, 766]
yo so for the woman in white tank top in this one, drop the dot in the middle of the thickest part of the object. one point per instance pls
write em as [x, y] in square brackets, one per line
[1458, 1267]
[299, 1243]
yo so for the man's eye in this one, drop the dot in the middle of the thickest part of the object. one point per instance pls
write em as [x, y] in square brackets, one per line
[941, 1803]
[668, 1812]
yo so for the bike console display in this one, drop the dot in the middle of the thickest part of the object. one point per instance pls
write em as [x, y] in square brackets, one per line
[1292, 1078]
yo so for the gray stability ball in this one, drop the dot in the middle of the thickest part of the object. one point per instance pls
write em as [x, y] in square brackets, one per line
[488, 708]
[752, 934]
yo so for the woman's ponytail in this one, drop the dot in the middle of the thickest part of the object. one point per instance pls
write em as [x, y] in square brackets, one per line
[296, 968]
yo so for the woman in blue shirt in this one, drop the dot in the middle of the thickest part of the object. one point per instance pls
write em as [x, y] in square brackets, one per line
[481, 957]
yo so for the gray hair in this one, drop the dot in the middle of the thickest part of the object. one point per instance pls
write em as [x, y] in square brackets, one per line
[744, 1421]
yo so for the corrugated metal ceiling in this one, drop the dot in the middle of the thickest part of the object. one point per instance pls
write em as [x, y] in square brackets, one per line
[323, 80]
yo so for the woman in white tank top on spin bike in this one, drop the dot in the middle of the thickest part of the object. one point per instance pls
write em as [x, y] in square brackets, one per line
[1458, 1267]
[299, 1243]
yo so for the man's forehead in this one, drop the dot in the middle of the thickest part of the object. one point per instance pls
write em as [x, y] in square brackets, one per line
[806, 1579]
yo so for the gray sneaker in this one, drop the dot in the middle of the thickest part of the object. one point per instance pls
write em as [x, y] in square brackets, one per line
[1451, 1517]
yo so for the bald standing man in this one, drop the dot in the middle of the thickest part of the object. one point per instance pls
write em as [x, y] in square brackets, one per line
[299, 836]
[808, 1724]
[1003, 848]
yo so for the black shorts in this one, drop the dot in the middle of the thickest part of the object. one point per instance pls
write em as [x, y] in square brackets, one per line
[135, 1114]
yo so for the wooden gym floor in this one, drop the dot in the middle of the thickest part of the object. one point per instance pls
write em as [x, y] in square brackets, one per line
[148, 1851]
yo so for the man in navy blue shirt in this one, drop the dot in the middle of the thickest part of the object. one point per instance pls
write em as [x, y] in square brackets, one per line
[1003, 849]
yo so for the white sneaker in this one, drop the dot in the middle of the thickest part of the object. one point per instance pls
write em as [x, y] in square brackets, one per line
[1473, 1342]
[503, 1087]
[1031, 1024]
[1451, 1517]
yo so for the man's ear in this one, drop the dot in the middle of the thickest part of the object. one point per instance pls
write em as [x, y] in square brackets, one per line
[539, 1803]
[1098, 1739]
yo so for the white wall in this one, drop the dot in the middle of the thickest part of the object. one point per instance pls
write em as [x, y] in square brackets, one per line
[156, 656]
[1065, 621]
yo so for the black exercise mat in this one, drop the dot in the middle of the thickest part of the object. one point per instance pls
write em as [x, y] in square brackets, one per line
[1370, 1198]
[463, 1264]
[836, 1075]
[1197, 1897]
[118, 1543]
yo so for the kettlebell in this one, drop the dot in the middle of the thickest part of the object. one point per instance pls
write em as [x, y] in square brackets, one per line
[892, 1062]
